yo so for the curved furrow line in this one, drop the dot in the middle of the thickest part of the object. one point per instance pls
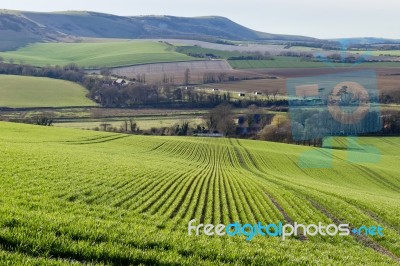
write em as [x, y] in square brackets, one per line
[141, 194]
[265, 207]
[364, 209]
[377, 178]
[216, 205]
[161, 205]
[182, 207]
[183, 196]
[229, 202]
[308, 195]
[208, 187]
[121, 187]
[197, 210]
[126, 193]
[253, 168]
[242, 210]
[99, 141]
[243, 161]
[152, 194]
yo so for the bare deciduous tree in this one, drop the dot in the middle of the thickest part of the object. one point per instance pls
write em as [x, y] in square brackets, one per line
[220, 119]
[187, 77]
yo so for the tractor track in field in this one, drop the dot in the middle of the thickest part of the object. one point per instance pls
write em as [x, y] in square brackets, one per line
[365, 241]
[242, 162]
[100, 140]
[285, 215]
[376, 178]
[157, 146]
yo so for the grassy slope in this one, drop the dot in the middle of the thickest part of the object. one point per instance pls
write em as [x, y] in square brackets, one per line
[110, 198]
[20, 91]
[96, 54]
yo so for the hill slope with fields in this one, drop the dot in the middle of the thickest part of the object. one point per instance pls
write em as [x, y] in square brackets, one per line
[96, 54]
[72, 196]
[21, 92]
[19, 28]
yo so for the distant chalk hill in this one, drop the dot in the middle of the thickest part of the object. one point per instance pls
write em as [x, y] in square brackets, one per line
[18, 28]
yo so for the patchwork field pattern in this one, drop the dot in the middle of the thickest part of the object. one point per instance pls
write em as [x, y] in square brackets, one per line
[73, 197]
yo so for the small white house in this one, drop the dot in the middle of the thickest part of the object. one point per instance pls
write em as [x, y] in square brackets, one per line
[120, 82]
[258, 93]
[241, 94]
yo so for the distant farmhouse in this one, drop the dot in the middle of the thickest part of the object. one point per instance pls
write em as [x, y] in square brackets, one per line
[120, 82]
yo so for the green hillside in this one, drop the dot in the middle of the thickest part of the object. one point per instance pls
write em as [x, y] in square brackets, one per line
[73, 196]
[95, 54]
[21, 91]
[18, 28]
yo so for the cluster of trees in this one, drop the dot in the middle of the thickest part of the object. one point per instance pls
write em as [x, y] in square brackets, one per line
[252, 56]
[44, 119]
[129, 126]
[69, 72]
[296, 54]
[278, 130]
[307, 56]
[138, 94]
[326, 45]
[338, 58]
[333, 45]
[212, 77]
[391, 122]
[309, 127]
[40, 119]
[390, 97]
[220, 120]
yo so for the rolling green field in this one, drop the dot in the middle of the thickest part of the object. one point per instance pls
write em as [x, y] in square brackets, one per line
[22, 91]
[74, 197]
[96, 54]
[294, 62]
[204, 51]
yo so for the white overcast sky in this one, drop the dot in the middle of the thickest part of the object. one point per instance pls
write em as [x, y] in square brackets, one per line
[315, 18]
